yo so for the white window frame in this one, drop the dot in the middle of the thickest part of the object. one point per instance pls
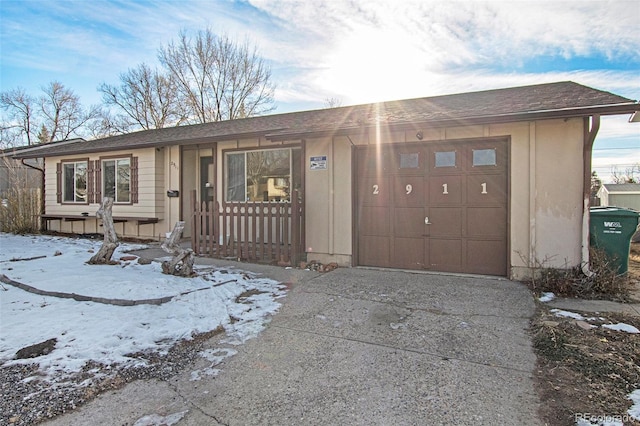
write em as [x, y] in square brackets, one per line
[244, 153]
[114, 195]
[76, 198]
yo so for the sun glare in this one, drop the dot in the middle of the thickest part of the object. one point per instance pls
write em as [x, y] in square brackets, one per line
[372, 66]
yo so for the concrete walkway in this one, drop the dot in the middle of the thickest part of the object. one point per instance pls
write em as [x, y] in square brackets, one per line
[358, 346]
[595, 306]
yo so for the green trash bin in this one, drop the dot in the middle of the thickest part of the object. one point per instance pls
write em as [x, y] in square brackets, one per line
[611, 231]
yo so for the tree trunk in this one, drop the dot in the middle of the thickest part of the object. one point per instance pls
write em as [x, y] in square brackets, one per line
[110, 238]
[182, 262]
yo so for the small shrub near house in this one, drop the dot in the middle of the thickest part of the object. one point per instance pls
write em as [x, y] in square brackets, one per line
[605, 283]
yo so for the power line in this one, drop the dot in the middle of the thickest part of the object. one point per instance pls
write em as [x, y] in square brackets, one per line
[610, 149]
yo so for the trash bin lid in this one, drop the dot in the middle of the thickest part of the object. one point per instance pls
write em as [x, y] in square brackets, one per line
[614, 211]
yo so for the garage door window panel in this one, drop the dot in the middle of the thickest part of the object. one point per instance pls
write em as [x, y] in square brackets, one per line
[484, 157]
[444, 159]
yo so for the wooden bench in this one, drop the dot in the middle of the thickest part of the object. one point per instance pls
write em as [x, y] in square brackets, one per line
[79, 218]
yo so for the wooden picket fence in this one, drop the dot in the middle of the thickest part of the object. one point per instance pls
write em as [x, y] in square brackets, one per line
[261, 232]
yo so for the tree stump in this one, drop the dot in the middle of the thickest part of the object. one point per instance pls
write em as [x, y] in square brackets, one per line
[103, 256]
[182, 262]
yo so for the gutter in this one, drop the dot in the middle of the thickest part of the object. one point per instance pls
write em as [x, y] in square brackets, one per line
[591, 128]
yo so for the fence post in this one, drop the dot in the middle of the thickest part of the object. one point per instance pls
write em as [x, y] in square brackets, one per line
[195, 235]
[295, 229]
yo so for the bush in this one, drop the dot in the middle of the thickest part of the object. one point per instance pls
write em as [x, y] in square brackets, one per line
[605, 283]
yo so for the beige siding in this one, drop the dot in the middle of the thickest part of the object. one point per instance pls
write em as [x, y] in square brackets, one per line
[171, 180]
[545, 199]
[190, 162]
[149, 205]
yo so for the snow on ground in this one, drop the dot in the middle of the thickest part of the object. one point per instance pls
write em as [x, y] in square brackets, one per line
[561, 313]
[106, 333]
[622, 327]
[547, 297]
[156, 419]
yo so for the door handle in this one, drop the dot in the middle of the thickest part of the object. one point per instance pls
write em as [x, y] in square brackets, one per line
[426, 221]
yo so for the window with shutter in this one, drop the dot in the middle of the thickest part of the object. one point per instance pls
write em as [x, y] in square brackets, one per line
[118, 179]
[72, 182]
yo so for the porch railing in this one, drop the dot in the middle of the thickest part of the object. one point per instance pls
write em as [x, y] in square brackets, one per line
[271, 232]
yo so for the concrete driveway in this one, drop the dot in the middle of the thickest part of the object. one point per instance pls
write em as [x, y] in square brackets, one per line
[360, 346]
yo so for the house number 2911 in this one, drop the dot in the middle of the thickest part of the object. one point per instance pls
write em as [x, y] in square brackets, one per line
[445, 189]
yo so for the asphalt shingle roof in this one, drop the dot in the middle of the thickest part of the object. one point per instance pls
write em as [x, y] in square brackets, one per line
[622, 187]
[562, 99]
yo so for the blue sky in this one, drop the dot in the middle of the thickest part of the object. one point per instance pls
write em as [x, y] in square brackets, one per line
[357, 51]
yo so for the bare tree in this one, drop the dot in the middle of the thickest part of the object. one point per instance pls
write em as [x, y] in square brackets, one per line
[56, 115]
[630, 174]
[145, 98]
[19, 122]
[63, 113]
[332, 102]
[218, 78]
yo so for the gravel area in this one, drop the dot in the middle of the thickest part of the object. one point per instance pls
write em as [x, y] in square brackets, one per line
[26, 398]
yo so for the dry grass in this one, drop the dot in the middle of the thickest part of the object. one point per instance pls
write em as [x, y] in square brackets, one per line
[604, 284]
[587, 370]
[20, 211]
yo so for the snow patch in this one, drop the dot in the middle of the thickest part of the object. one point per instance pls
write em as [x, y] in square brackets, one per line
[110, 334]
[158, 420]
[622, 327]
[547, 297]
[561, 313]
[634, 411]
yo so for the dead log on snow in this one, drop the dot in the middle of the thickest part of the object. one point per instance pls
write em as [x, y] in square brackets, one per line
[182, 262]
[103, 256]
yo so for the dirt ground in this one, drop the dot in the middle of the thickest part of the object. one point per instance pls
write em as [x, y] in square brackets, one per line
[586, 372]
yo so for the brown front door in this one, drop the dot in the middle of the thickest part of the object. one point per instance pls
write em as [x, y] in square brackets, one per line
[434, 206]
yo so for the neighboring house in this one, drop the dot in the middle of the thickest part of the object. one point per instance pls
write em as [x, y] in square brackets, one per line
[620, 195]
[23, 172]
[14, 174]
[461, 183]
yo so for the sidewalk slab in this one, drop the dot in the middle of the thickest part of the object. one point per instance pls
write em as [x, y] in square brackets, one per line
[595, 306]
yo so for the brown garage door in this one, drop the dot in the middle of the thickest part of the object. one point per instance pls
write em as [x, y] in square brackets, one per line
[434, 206]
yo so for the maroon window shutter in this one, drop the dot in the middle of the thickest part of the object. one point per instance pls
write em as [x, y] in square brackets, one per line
[59, 182]
[91, 183]
[134, 180]
[97, 171]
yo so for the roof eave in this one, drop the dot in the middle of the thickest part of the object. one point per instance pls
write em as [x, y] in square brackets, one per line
[626, 108]
[81, 149]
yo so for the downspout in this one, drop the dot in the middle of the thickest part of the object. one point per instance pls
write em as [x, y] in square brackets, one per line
[42, 185]
[591, 128]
